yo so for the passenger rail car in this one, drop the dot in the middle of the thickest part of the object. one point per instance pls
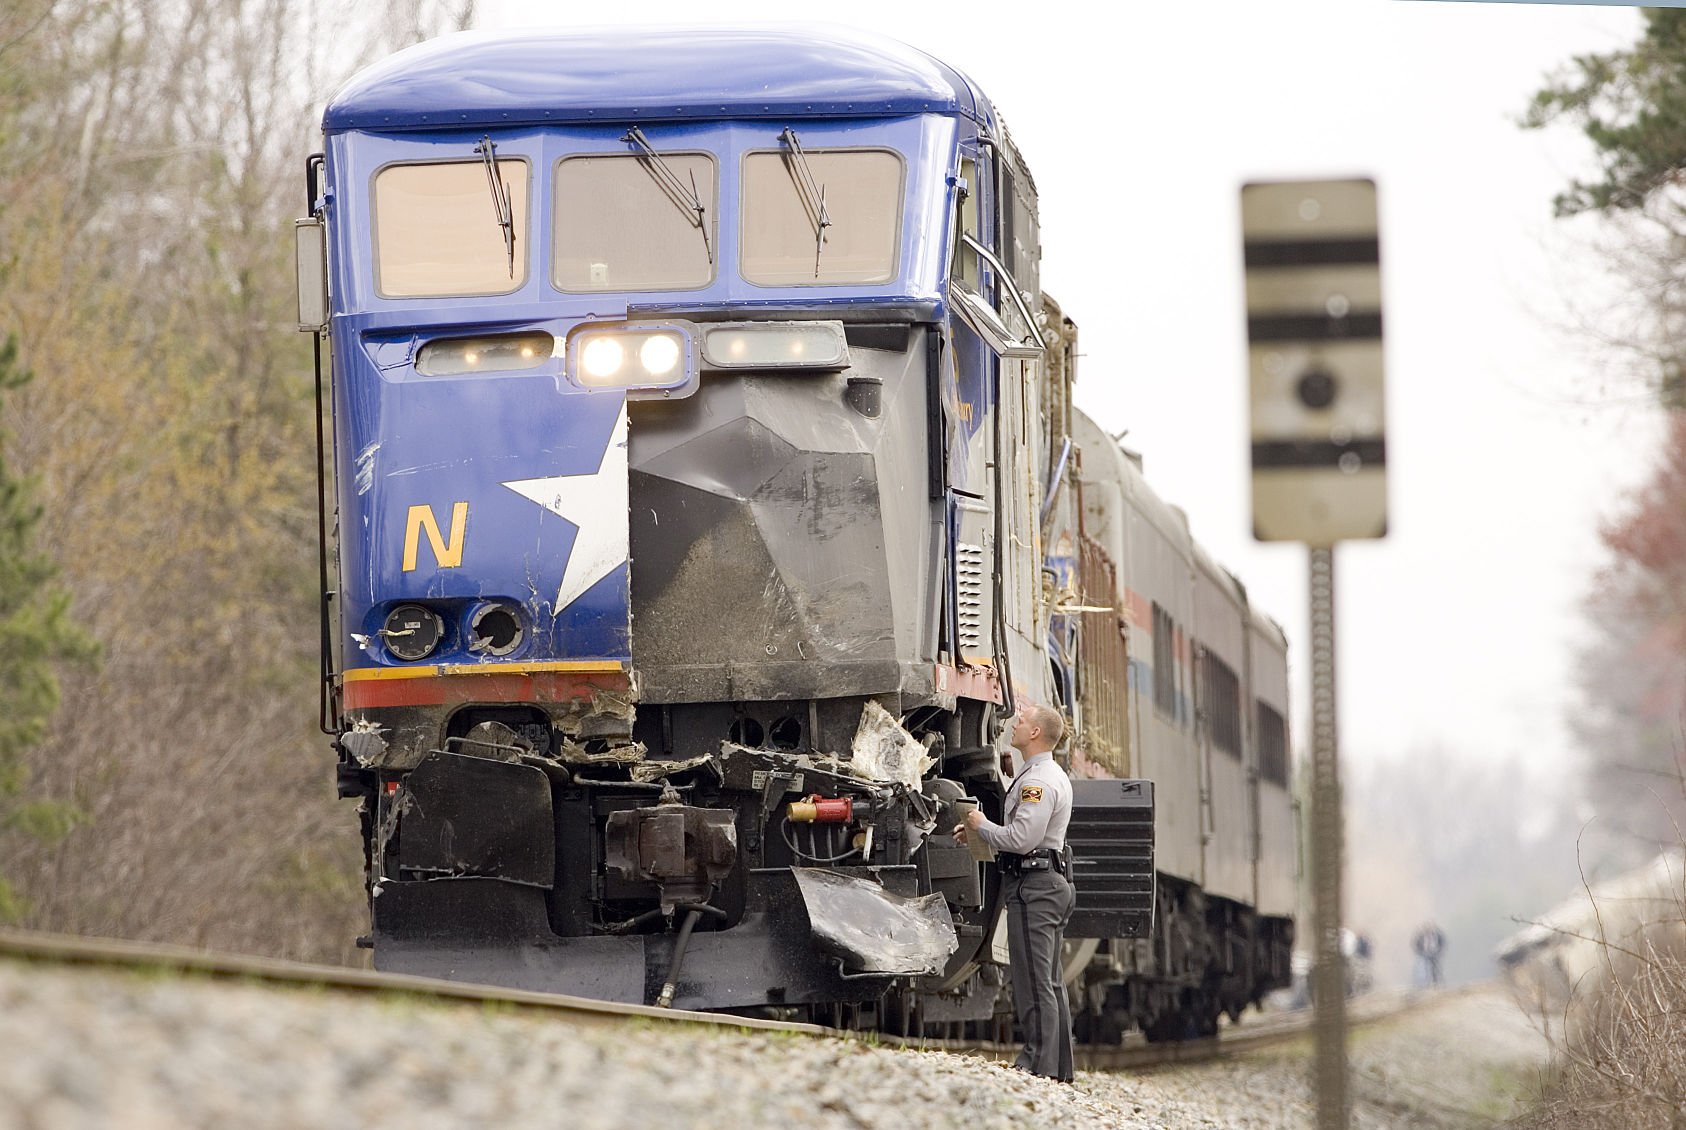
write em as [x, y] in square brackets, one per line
[705, 493]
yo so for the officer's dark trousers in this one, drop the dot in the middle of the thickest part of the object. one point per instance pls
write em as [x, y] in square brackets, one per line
[1038, 907]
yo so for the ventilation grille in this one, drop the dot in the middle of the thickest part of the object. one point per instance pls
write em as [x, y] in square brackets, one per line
[1111, 839]
[971, 577]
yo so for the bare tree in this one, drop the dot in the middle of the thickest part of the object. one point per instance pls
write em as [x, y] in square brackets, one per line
[150, 158]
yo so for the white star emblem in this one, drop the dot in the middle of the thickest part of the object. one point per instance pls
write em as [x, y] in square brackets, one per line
[596, 504]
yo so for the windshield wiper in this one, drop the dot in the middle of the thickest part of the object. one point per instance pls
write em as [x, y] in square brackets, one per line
[688, 200]
[812, 194]
[501, 207]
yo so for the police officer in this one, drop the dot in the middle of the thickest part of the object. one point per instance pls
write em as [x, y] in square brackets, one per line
[1030, 850]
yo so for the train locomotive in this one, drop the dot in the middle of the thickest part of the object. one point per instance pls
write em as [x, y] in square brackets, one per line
[702, 493]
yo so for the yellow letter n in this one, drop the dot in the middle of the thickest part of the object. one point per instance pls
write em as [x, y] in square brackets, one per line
[421, 518]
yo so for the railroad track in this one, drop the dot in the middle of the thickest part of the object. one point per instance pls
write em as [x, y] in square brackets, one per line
[1253, 1033]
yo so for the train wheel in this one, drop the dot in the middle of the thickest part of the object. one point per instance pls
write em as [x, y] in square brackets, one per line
[1001, 1028]
[1165, 1027]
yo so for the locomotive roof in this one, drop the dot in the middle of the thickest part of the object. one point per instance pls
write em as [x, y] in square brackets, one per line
[531, 76]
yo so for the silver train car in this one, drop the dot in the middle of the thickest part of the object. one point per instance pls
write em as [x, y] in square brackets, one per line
[1203, 715]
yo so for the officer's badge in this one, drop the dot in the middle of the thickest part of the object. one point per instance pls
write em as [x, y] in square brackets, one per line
[1030, 794]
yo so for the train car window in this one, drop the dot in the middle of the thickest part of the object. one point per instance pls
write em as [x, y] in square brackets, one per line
[617, 228]
[1018, 243]
[436, 232]
[1025, 247]
[1187, 675]
[1164, 663]
[1223, 703]
[1009, 216]
[965, 269]
[1273, 744]
[861, 238]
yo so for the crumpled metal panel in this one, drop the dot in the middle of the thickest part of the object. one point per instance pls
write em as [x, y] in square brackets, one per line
[474, 816]
[771, 496]
[874, 931]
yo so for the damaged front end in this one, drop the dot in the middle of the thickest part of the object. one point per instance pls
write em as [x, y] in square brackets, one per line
[742, 879]
[873, 930]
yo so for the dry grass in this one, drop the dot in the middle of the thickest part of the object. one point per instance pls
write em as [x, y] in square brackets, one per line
[1608, 986]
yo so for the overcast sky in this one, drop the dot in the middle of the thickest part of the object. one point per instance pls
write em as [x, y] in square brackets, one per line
[1508, 437]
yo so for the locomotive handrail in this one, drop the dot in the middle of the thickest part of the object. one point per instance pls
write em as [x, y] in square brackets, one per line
[327, 716]
[988, 324]
[1031, 336]
[1054, 481]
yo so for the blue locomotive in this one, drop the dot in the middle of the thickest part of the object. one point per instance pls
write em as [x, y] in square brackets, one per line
[702, 494]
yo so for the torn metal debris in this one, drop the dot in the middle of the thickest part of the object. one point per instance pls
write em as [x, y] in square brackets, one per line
[660, 770]
[624, 753]
[365, 741]
[873, 930]
[884, 751]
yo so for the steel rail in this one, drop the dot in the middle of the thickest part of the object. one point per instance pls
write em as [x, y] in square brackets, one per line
[1251, 1034]
[1134, 1052]
[115, 953]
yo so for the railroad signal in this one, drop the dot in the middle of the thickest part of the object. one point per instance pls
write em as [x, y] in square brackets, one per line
[1314, 329]
[1314, 333]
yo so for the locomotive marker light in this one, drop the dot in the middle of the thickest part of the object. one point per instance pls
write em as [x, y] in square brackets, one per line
[784, 345]
[454, 356]
[495, 628]
[1314, 326]
[412, 632]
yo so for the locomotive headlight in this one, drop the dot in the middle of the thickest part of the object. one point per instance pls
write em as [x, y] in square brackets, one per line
[632, 357]
[602, 359]
[659, 354]
[776, 345]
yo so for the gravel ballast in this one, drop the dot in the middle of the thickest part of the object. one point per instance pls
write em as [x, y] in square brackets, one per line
[87, 1047]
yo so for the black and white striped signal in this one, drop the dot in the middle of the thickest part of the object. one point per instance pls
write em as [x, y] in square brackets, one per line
[1314, 329]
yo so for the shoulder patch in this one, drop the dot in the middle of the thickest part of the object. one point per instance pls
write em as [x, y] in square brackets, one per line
[1030, 794]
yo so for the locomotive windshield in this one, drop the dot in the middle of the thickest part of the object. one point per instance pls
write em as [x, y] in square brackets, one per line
[437, 233]
[631, 222]
[786, 244]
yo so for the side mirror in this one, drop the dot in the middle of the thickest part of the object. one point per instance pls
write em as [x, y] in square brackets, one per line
[311, 257]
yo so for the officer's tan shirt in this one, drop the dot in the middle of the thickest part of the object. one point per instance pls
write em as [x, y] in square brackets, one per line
[1038, 809]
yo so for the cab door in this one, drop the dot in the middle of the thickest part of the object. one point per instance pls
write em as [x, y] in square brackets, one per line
[991, 398]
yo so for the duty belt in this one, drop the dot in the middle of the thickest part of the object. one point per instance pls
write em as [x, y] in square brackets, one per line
[1042, 859]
